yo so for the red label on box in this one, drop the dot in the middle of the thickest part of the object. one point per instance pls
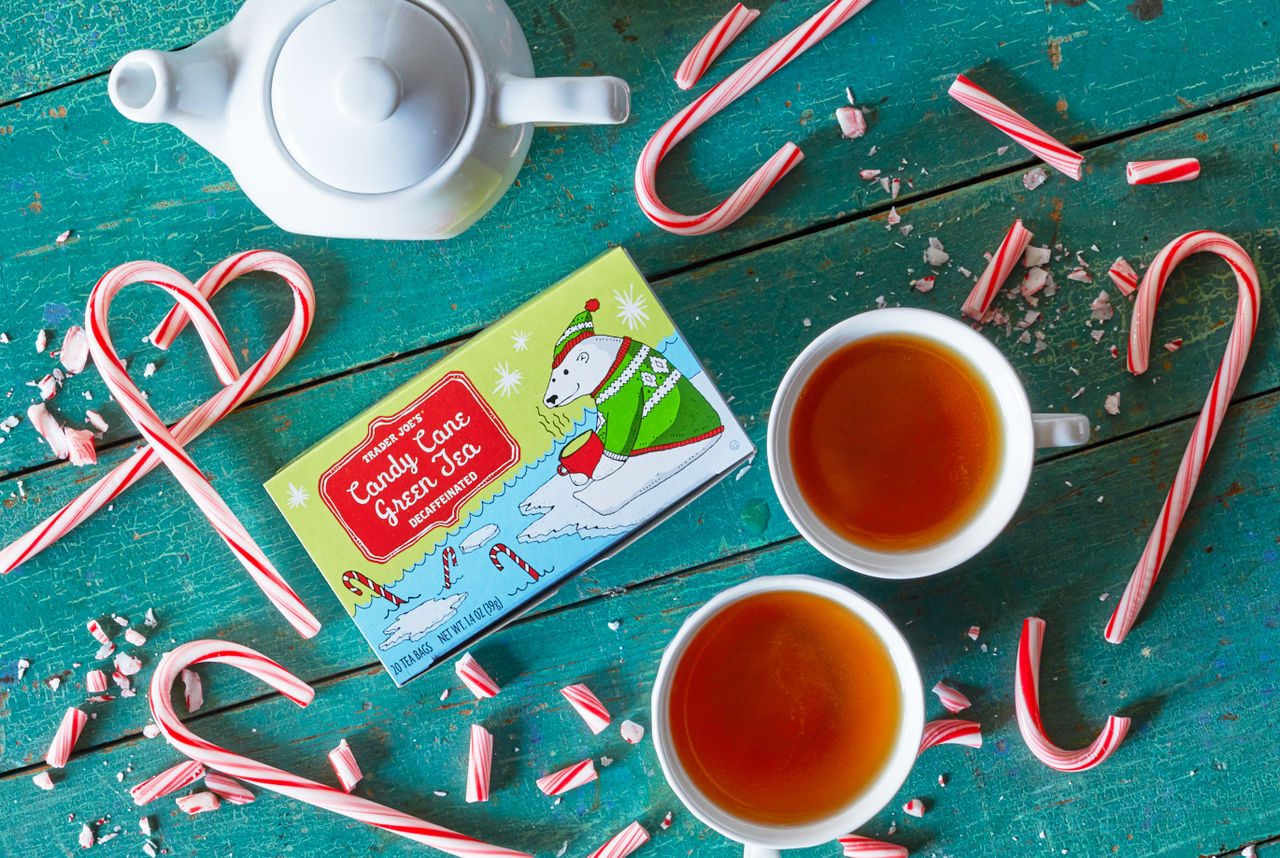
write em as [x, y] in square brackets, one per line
[414, 470]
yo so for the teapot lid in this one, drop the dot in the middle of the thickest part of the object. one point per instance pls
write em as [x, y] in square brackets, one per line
[370, 96]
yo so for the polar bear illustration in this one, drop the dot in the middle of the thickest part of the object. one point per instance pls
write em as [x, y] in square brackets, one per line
[651, 420]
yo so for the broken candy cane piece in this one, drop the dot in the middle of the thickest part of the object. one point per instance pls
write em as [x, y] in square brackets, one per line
[49, 429]
[568, 778]
[1026, 704]
[853, 124]
[86, 838]
[173, 778]
[1162, 172]
[1030, 137]
[869, 175]
[23, 664]
[105, 651]
[666, 821]
[96, 421]
[149, 620]
[65, 739]
[623, 843]
[75, 349]
[713, 44]
[632, 732]
[1123, 275]
[588, 706]
[99, 633]
[198, 802]
[1173, 345]
[345, 766]
[80, 447]
[997, 270]
[474, 677]
[135, 637]
[479, 764]
[192, 690]
[712, 102]
[95, 682]
[225, 788]
[42, 340]
[1035, 257]
[950, 732]
[952, 700]
[1215, 407]
[1112, 404]
[127, 664]
[150, 731]
[915, 808]
[43, 781]
[1034, 178]
[864, 847]
[973, 633]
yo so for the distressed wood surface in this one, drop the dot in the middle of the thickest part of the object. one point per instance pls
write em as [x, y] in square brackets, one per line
[1196, 674]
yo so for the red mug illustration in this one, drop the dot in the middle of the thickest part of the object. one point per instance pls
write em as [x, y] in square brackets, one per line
[580, 456]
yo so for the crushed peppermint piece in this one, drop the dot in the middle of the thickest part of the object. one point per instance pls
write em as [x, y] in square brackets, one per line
[1097, 335]
[95, 682]
[128, 664]
[894, 218]
[915, 808]
[9, 423]
[151, 731]
[192, 690]
[1033, 282]
[444, 695]
[1035, 256]
[95, 420]
[1113, 403]
[942, 780]
[1080, 276]
[75, 349]
[895, 186]
[105, 651]
[149, 370]
[924, 284]
[666, 821]
[973, 633]
[42, 340]
[23, 664]
[853, 124]
[868, 174]
[1034, 178]
[81, 450]
[934, 254]
[884, 183]
[614, 625]
[1101, 309]
[49, 429]
[144, 825]
[150, 620]
[198, 802]
[135, 637]
[149, 849]
[122, 622]
[632, 732]
[1173, 345]
[43, 781]
[86, 837]
[1001, 150]
[54, 682]
[126, 685]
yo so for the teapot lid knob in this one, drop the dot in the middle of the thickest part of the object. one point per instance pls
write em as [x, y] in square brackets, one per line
[371, 96]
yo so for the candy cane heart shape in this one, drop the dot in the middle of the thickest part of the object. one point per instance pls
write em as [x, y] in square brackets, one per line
[190, 427]
[1215, 406]
[1026, 705]
[162, 440]
[717, 99]
[268, 777]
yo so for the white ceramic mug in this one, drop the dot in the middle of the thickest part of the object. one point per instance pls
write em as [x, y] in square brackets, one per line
[760, 839]
[1022, 431]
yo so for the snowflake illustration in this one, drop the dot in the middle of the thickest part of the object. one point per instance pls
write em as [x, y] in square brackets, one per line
[631, 307]
[298, 496]
[520, 340]
[509, 379]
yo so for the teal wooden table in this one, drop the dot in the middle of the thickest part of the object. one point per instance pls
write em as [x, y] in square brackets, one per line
[1120, 82]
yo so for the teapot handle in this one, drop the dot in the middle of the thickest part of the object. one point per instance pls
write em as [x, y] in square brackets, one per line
[562, 100]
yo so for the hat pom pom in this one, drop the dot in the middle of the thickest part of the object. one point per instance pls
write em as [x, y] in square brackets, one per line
[593, 305]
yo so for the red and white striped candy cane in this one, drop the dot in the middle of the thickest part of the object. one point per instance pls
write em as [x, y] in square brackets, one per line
[69, 729]
[713, 44]
[1123, 275]
[586, 704]
[172, 779]
[190, 427]
[712, 102]
[952, 700]
[950, 731]
[570, 777]
[623, 843]
[343, 761]
[353, 580]
[1026, 706]
[479, 764]
[997, 271]
[167, 447]
[278, 780]
[864, 847]
[1162, 172]
[475, 677]
[228, 789]
[503, 549]
[1023, 132]
[450, 557]
[1215, 406]
[99, 634]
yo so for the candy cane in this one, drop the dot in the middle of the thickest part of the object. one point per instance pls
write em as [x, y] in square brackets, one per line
[503, 549]
[997, 271]
[167, 447]
[1026, 705]
[570, 777]
[1215, 406]
[950, 732]
[1161, 172]
[623, 843]
[952, 700]
[277, 780]
[713, 44]
[586, 704]
[864, 847]
[479, 764]
[228, 789]
[69, 729]
[449, 556]
[376, 589]
[717, 99]
[190, 427]
[1025, 134]
[172, 779]
[345, 766]
[95, 682]
[474, 677]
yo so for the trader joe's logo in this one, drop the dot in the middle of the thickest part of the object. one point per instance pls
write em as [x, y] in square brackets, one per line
[414, 470]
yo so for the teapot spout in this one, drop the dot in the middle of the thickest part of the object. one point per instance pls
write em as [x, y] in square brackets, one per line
[563, 100]
[186, 88]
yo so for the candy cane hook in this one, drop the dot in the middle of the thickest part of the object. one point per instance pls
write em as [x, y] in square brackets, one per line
[717, 99]
[1215, 406]
[268, 777]
[500, 548]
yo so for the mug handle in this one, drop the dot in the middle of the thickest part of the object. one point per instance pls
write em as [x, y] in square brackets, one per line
[760, 852]
[1060, 430]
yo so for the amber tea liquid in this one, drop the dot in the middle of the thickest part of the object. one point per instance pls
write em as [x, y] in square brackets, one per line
[784, 707]
[896, 442]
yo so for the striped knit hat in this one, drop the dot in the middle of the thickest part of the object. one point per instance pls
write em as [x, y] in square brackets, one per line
[579, 329]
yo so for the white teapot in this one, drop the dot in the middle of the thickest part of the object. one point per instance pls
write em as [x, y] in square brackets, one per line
[399, 119]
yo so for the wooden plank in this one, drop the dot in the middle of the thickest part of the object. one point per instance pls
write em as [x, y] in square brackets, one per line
[1197, 675]
[381, 299]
